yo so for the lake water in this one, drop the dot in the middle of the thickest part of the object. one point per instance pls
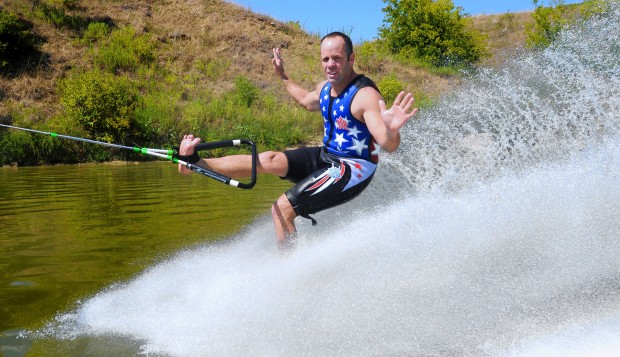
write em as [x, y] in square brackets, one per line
[68, 231]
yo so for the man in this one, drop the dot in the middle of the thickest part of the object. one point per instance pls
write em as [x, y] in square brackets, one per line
[356, 125]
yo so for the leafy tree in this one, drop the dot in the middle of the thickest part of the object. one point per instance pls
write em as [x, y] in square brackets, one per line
[433, 31]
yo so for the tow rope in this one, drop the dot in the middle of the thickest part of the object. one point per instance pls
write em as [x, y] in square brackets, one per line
[173, 155]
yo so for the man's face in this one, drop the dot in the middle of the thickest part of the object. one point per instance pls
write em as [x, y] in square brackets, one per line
[334, 60]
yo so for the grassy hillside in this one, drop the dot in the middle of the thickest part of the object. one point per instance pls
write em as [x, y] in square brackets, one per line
[506, 33]
[206, 55]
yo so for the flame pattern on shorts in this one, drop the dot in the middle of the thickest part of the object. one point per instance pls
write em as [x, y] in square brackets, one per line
[360, 170]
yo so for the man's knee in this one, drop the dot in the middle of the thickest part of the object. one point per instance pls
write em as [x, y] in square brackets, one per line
[273, 162]
[282, 210]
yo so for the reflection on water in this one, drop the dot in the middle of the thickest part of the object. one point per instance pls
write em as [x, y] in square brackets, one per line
[67, 231]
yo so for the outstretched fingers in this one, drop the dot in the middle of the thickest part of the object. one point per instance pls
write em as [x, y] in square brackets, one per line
[408, 102]
[399, 98]
[408, 105]
[400, 113]
[278, 63]
[404, 101]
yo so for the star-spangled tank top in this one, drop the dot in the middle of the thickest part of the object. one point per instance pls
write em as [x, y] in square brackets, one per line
[344, 134]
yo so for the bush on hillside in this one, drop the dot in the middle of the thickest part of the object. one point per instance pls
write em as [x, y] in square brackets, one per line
[125, 50]
[245, 92]
[390, 86]
[22, 148]
[95, 31]
[102, 103]
[433, 31]
[550, 20]
[370, 56]
[59, 17]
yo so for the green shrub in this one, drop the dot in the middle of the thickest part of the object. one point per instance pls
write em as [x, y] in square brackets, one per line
[125, 50]
[95, 31]
[549, 21]
[506, 22]
[14, 147]
[245, 91]
[196, 113]
[433, 31]
[212, 69]
[370, 55]
[55, 150]
[22, 148]
[158, 116]
[59, 17]
[390, 86]
[292, 27]
[18, 43]
[102, 103]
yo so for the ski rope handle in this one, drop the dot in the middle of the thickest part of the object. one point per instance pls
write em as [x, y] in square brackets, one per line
[190, 162]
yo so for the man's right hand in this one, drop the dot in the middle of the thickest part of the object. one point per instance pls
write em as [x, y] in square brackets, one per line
[278, 64]
[187, 148]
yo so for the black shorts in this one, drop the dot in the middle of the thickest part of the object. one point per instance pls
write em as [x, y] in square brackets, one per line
[324, 180]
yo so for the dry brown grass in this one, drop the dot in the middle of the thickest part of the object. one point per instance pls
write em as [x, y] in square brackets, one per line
[506, 33]
[214, 31]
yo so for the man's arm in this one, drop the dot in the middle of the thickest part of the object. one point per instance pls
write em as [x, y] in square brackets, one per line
[308, 100]
[384, 124]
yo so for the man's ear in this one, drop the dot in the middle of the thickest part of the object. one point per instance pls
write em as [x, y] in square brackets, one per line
[352, 58]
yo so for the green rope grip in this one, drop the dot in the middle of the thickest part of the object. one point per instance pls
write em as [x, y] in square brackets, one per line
[53, 135]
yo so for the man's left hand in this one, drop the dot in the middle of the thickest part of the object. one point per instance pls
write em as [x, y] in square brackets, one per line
[399, 114]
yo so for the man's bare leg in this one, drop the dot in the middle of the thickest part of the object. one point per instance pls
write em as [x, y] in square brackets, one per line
[284, 221]
[236, 166]
[269, 162]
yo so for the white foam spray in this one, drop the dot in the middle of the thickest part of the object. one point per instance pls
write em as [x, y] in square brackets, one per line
[494, 231]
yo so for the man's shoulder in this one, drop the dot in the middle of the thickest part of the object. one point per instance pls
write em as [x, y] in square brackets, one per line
[364, 82]
[366, 99]
[320, 86]
[368, 92]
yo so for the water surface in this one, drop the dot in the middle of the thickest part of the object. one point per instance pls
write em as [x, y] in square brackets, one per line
[67, 231]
